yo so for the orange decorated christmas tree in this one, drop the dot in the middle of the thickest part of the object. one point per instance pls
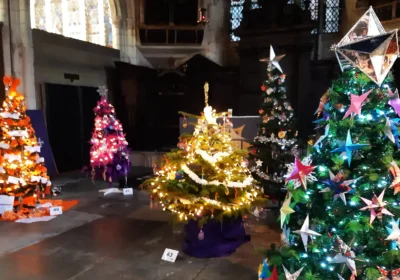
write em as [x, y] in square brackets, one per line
[22, 170]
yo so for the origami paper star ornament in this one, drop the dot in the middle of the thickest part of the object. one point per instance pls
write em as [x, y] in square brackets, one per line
[393, 274]
[300, 172]
[285, 209]
[338, 186]
[346, 255]
[395, 103]
[352, 277]
[263, 270]
[348, 147]
[388, 130]
[368, 47]
[293, 276]
[395, 170]
[274, 275]
[394, 234]
[356, 104]
[305, 232]
[322, 137]
[273, 60]
[376, 206]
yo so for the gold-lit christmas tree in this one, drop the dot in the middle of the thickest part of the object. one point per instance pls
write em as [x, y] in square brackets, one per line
[22, 170]
[205, 177]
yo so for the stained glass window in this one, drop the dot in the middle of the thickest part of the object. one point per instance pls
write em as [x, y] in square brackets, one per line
[56, 16]
[236, 16]
[87, 20]
[39, 14]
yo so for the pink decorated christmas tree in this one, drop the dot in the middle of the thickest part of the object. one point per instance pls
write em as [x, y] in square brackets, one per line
[109, 153]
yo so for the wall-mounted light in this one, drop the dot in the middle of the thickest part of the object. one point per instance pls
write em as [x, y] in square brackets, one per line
[202, 16]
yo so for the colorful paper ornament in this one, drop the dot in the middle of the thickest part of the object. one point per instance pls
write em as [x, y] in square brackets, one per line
[322, 102]
[273, 60]
[259, 162]
[352, 277]
[274, 275]
[263, 270]
[338, 186]
[322, 137]
[345, 255]
[356, 104]
[376, 206]
[293, 276]
[395, 103]
[395, 170]
[393, 274]
[388, 130]
[300, 172]
[305, 232]
[285, 209]
[368, 47]
[394, 234]
[286, 238]
[348, 147]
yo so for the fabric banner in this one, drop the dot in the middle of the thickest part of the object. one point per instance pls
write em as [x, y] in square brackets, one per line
[39, 125]
[244, 129]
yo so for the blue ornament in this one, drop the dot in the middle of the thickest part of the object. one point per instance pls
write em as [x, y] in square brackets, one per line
[179, 175]
[110, 127]
[348, 147]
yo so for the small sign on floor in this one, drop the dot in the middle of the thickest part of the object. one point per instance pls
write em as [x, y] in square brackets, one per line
[128, 191]
[55, 211]
[170, 255]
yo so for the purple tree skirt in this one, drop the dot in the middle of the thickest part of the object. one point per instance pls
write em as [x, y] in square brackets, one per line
[219, 238]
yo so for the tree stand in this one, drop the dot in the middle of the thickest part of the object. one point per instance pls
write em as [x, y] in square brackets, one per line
[215, 238]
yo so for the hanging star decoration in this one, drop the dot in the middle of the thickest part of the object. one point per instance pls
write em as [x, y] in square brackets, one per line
[388, 130]
[395, 170]
[263, 270]
[274, 275]
[285, 209]
[348, 147]
[368, 47]
[352, 277]
[376, 206]
[345, 255]
[394, 234]
[389, 274]
[322, 137]
[356, 104]
[322, 102]
[395, 103]
[273, 60]
[293, 276]
[301, 173]
[259, 162]
[102, 90]
[286, 238]
[305, 232]
[338, 186]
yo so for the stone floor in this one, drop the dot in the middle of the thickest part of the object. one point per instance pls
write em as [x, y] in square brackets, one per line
[116, 237]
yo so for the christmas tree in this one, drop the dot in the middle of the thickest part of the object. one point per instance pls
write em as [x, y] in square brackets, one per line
[344, 225]
[22, 170]
[205, 178]
[276, 143]
[109, 152]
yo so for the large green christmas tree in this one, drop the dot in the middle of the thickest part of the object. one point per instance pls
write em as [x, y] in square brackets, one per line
[276, 143]
[345, 225]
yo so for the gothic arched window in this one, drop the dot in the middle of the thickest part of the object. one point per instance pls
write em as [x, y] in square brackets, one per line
[86, 20]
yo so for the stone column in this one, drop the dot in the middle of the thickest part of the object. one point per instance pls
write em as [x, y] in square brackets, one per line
[21, 47]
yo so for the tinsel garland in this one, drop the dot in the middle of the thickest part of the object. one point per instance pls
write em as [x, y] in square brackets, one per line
[265, 176]
[273, 139]
[247, 182]
[211, 159]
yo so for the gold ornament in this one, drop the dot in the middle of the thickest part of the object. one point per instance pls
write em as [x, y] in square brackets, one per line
[281, 134]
